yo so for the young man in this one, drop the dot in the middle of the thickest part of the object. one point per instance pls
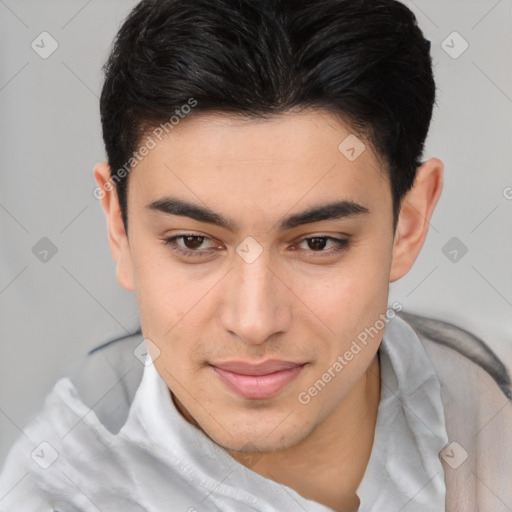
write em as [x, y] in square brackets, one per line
[263, 188]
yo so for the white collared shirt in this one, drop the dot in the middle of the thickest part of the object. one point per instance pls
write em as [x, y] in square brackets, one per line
[160, 462]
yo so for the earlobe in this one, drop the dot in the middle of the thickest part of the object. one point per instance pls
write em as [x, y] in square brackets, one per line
[125, 273]
[118, 239]
[415, 214]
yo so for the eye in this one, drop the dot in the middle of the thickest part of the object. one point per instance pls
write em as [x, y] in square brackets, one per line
[190, 246]
[317, 244]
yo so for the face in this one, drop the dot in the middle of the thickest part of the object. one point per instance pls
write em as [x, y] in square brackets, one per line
[258, 253]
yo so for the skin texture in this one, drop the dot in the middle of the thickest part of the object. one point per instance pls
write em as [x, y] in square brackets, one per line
[296, 301]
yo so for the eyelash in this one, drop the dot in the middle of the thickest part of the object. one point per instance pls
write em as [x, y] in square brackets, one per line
[341, 245]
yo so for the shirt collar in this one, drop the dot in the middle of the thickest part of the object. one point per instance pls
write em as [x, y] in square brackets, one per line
[404, 471]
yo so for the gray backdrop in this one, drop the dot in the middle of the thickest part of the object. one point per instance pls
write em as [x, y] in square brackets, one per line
[58, 292]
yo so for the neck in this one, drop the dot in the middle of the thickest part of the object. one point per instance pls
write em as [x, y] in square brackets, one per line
[329, 464]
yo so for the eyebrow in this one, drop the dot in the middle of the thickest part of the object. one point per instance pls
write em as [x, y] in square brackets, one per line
[334, 210]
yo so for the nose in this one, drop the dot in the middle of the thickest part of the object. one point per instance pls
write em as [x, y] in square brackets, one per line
[256, 305]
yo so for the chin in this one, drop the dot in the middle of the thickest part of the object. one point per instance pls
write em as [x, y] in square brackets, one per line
[245, 443]
[273, 433]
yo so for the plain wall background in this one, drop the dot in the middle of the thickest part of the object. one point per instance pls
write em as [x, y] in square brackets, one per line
[52, 312]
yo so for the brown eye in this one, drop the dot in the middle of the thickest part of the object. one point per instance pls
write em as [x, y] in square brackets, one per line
[193, 242]
[192, 246]
[317, 243]
[318, 246]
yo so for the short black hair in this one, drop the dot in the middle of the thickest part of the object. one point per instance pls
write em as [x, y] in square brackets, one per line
[365, 60]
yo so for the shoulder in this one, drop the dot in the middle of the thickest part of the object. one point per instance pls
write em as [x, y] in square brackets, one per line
[475, 383]
[37, 464]
[448, 345]
[476, 393]
[75, 426]
[108, 378]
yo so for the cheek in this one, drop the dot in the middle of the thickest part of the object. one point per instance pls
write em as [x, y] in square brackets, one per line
[172, 313]
[350, 297]
[351, 304]
[163, 297]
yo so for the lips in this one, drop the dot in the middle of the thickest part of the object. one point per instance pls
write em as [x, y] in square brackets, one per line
[257, 369]
[257, 381]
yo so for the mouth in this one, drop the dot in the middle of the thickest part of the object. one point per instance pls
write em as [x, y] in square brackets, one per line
[258, 381]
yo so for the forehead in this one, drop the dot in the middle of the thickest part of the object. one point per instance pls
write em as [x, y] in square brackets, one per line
[288, 136]
[272, 161]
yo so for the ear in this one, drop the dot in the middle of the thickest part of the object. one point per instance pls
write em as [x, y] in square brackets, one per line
[117, 236]
[415, 214]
